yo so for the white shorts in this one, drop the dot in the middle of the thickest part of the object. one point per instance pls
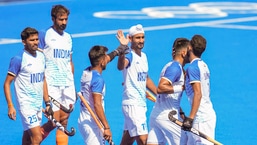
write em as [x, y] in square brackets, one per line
[90, 133]
[135, 120]
[64, 95]
[164, 132]
[30, 118]
[207, 128]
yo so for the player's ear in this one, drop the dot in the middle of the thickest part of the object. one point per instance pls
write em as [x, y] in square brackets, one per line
[23, 42]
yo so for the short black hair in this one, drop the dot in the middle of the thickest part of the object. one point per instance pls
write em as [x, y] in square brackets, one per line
[59, 9]
[96, 53]
[198, 43]
[27, 32]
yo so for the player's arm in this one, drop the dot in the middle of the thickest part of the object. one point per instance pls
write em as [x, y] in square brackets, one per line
[8, 96]
[151, 86]
[101, 115]
[165, 86]
[71, 63]
[122, 62]
[196, 99]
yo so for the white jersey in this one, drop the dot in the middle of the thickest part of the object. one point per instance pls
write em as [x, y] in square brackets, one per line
[172, 72]
[198, 71]
[29, 78]
[135, 76]
[91, 82]
[57, 49]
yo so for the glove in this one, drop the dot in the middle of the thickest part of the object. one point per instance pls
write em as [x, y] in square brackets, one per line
[122, 49]
[187, 124]
[49, 111]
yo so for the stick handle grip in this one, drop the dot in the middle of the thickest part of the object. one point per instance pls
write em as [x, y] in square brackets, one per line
[150, 96]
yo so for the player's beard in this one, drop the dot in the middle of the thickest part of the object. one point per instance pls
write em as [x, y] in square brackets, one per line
[62, 27]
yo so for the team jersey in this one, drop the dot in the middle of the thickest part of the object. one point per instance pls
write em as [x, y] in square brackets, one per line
[91, 82]
[198, 72]
[29, 78]
[173, 73]
[135, 76]
[57, 49]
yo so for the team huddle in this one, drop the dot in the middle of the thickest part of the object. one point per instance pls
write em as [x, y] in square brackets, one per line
[43, 72]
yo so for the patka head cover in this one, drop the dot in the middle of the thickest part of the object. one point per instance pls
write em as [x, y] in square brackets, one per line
[136, 30]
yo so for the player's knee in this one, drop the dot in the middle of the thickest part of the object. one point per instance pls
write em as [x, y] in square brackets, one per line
[37, 139]
[64, 120]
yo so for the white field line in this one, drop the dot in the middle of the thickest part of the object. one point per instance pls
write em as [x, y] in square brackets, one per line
[213, 23]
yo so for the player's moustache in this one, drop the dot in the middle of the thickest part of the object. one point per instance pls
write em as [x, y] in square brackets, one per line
[63, 26]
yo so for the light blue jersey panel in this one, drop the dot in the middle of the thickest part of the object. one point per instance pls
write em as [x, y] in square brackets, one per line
[91, 82]
[29, 78]
[198, 72]
[173, 73]
[57, 49]
[135, 76]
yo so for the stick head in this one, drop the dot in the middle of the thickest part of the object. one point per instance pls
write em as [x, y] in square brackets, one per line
[170, 115]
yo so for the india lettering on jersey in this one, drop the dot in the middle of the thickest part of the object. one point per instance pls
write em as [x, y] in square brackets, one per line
[37, 77]
[29, 78]
[198, 72]
[135, 76]
[57, 49]
[60, 53]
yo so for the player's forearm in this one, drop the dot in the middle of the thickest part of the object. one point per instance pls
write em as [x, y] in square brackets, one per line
[195, 105]
[151, 86]
[7, 92]
[100, 114]
[121, 62]
[45, 91]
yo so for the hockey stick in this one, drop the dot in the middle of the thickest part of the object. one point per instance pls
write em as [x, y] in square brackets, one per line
[150, 96]
[193, 130]
[59, 105]
[99, 124]
[59, 125]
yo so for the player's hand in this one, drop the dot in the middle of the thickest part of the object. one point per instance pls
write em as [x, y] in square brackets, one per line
[122, 49]
[49, 111]
[107, 135]
[12, 113]
[123, 40]
[187, 123]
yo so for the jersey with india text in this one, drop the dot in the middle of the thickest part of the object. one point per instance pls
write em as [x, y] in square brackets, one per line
[29, 78]
[135, 76]
[173, 73]
[198, 72]
[57, 49]
[91, 82]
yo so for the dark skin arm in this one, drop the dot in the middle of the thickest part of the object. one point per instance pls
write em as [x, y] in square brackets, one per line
[196, 99]
[8, 96]
[150, 85]
[101, 115]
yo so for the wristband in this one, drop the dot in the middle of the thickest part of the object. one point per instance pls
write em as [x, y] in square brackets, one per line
[112, 55]
[177, 89]
[47, 103]
[181, 113]
[107, 128]
[10, 105]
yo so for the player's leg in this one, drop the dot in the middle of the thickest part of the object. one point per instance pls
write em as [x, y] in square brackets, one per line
[135, 124]
[61, 137]
[26, 138]
[68, 97]
[90, 133]
[126, 139]
[46, 129]
[35, 135]
[31, 120]
[155, 135]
